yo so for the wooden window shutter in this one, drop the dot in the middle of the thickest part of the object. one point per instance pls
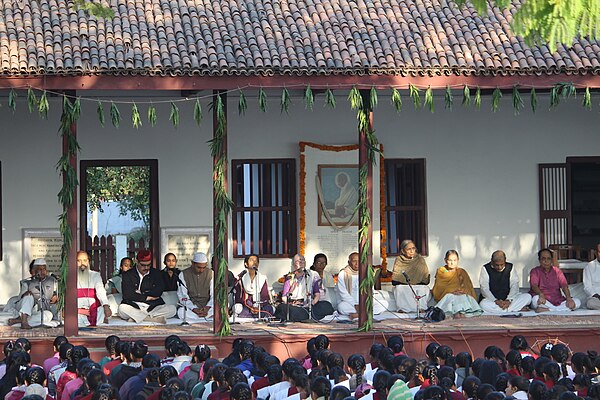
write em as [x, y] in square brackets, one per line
[555, 204]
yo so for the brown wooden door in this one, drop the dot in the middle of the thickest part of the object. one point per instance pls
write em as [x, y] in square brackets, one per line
[555, 203]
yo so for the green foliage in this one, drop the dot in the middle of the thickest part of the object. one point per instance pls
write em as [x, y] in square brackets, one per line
[12, 100]
[43, 105]
[198, 112]
[429, 99]
[496, 96]
[587, 99]
[309, 98]
[32, 100]
[396, 100]
[355, 99]
[100, 113]
[477, 100]
[415, 95]
[151, 115]
[533, 100]
[329, 98]
[517, 100]
[174, 115]
[242, 104]
[373, 97]
[136, 121]
[115, 115]
[466, 101]
[262, 100]
[94, 8]
[561, 90]
[285, 101]
[448, 98]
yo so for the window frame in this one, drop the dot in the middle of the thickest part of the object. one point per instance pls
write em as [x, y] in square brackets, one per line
[290, 243]
[421, 242]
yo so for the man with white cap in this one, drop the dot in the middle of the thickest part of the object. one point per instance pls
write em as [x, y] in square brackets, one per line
[92, 301]
[196, 290]
[38, 294]
[142, 289]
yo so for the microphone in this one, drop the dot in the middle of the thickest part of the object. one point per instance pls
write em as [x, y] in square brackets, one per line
[244, 272]
[255, 268]
[406, 276]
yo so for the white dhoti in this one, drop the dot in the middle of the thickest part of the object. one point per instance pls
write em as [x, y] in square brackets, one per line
[561, 307]
[593, 303]
[139, 314]
[379, 305]
[27, 305]
[405, 299]
[114, 300]
[516, 305]
[192, 317]
[83, 320]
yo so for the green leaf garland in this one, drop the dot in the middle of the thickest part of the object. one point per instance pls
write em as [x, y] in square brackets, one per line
[115, 115]
[242, 104]
[262, 100]
[151, 115]
[174, 115]
[100, 113]
[12, 100]
[373, 97]
[587, 99]
[32, 101]
[329, 99]
[496, 96]
[309, 98]
[43, 105]
[355, 99]
[396, 100]
[429, 99]
[477, 100]
[533, 100]
[136, 120]
[415, 95]
[466, 101]
[517, 100]
[285, 101]
[198, 112]
[448, 98]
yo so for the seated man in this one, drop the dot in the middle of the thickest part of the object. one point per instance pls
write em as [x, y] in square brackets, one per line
[252, 288]
[546, 282]
[499, 285]
[38, 298]
[412, 266]
[296, 292]
[348, 290]
[92, 302]
[591, 281]
[142, 287]
[195, 291]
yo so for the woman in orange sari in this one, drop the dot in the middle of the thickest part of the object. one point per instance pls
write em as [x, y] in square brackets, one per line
[453, 289]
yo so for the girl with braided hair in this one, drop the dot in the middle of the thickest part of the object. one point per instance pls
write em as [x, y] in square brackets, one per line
[463, 364]
[356, 367]
[320, 389]
[470, 386]
[551, 374]
[106, 392]
[381, 384]
[77, 354]
[514, 360]
[495, 353]
[582, 383]
[411, 371]
[152, 384]
[581, 363]
[18, 391]
[241, 391]
[528, 367]
[198, 389]
[560, 353]
[194, 373]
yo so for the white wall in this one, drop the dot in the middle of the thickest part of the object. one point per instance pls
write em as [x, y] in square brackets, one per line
[481, 166]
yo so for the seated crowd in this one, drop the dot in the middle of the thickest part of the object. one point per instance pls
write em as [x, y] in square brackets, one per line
[141, 293]
[129, 371]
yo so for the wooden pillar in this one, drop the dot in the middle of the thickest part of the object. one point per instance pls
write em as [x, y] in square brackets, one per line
[70, 311]
[218, 318]
[363, 159]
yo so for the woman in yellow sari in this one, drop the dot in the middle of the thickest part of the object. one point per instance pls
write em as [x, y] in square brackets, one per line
[453, 289]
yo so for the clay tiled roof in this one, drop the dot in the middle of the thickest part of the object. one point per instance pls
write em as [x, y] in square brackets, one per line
[274, 37]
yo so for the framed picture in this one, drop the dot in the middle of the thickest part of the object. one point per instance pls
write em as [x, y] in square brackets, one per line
[337, 192]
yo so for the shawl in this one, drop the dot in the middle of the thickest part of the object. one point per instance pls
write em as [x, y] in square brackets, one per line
[349, 272]
[447, 281]
[416, 268]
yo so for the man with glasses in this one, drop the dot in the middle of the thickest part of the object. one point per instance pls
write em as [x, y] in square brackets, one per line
[142, 289]
[195, 291]
[547, 281]
[499, 285]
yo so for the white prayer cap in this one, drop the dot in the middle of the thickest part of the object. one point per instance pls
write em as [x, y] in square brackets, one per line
[39, 261]
[200, 258]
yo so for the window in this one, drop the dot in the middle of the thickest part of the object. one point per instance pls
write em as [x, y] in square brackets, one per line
[406, 203]
[264, 207]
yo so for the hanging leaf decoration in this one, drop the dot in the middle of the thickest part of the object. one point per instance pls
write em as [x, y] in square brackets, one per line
[242, 104]
[355, 99]
[533, 100]
[396, 100]
[32, 100]
[309, 98]
[373, 97]
[477, 100]
[115, 115]
[466, 100]
[43, 105]
[554, 95]
[429, 99]
[448, 98]
[76, 109]
[12, 100]
[100, 113]
[198, 112]
[152, 115]
[329, 98]
[285, 101]
[415, 95]
[587, 99]
[496, 96]
[517, 100]
[174, 115]
[262, 100]
[567, 90]
[136, 120]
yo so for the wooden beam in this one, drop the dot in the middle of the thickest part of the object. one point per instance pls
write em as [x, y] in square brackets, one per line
[319, 82]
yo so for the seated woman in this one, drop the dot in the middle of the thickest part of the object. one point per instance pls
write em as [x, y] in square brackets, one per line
[113, 285]
[410, 265]
[453, 289]
[252, 291]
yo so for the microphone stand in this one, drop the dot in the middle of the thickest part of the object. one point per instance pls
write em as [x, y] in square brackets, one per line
[309, 293]
[184, 301]
[234, 291]
[417, 297]
[41, 305]
[257, 298]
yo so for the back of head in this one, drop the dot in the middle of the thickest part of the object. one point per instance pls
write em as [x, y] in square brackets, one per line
[123, 349]
[77, 354]
[335, 360]
[245, 349]
[528, 366]
[35, 375]
[502, 381]
[339, 393]
[106, 392]
[234, 375]
[23, 344]
[396, 344]
[520, 383]
[138, 350]
[274, 374]
[494, 396]
[241, 391]
[321, 387]
[176, 384]
[435, 393]
[181, 395]
[552, 371]
[381, 381]
[169, 339]
[357, 363]
[518, 343]
[165, 373]
[151, 361]
[95, 378]
[375, 349]
[201, 353]
[111, 343]
[489, 371]
[484, 389]
[321, 342]
[537, 390]
[58, 341]
[430, 350]
[471, 385]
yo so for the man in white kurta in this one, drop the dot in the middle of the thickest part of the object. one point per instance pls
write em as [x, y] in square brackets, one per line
[348, 291]
[92, 302]
[195, 291]
[591, 281]
[499, 285]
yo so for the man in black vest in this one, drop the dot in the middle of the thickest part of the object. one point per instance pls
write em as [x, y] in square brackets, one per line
[499, 285]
